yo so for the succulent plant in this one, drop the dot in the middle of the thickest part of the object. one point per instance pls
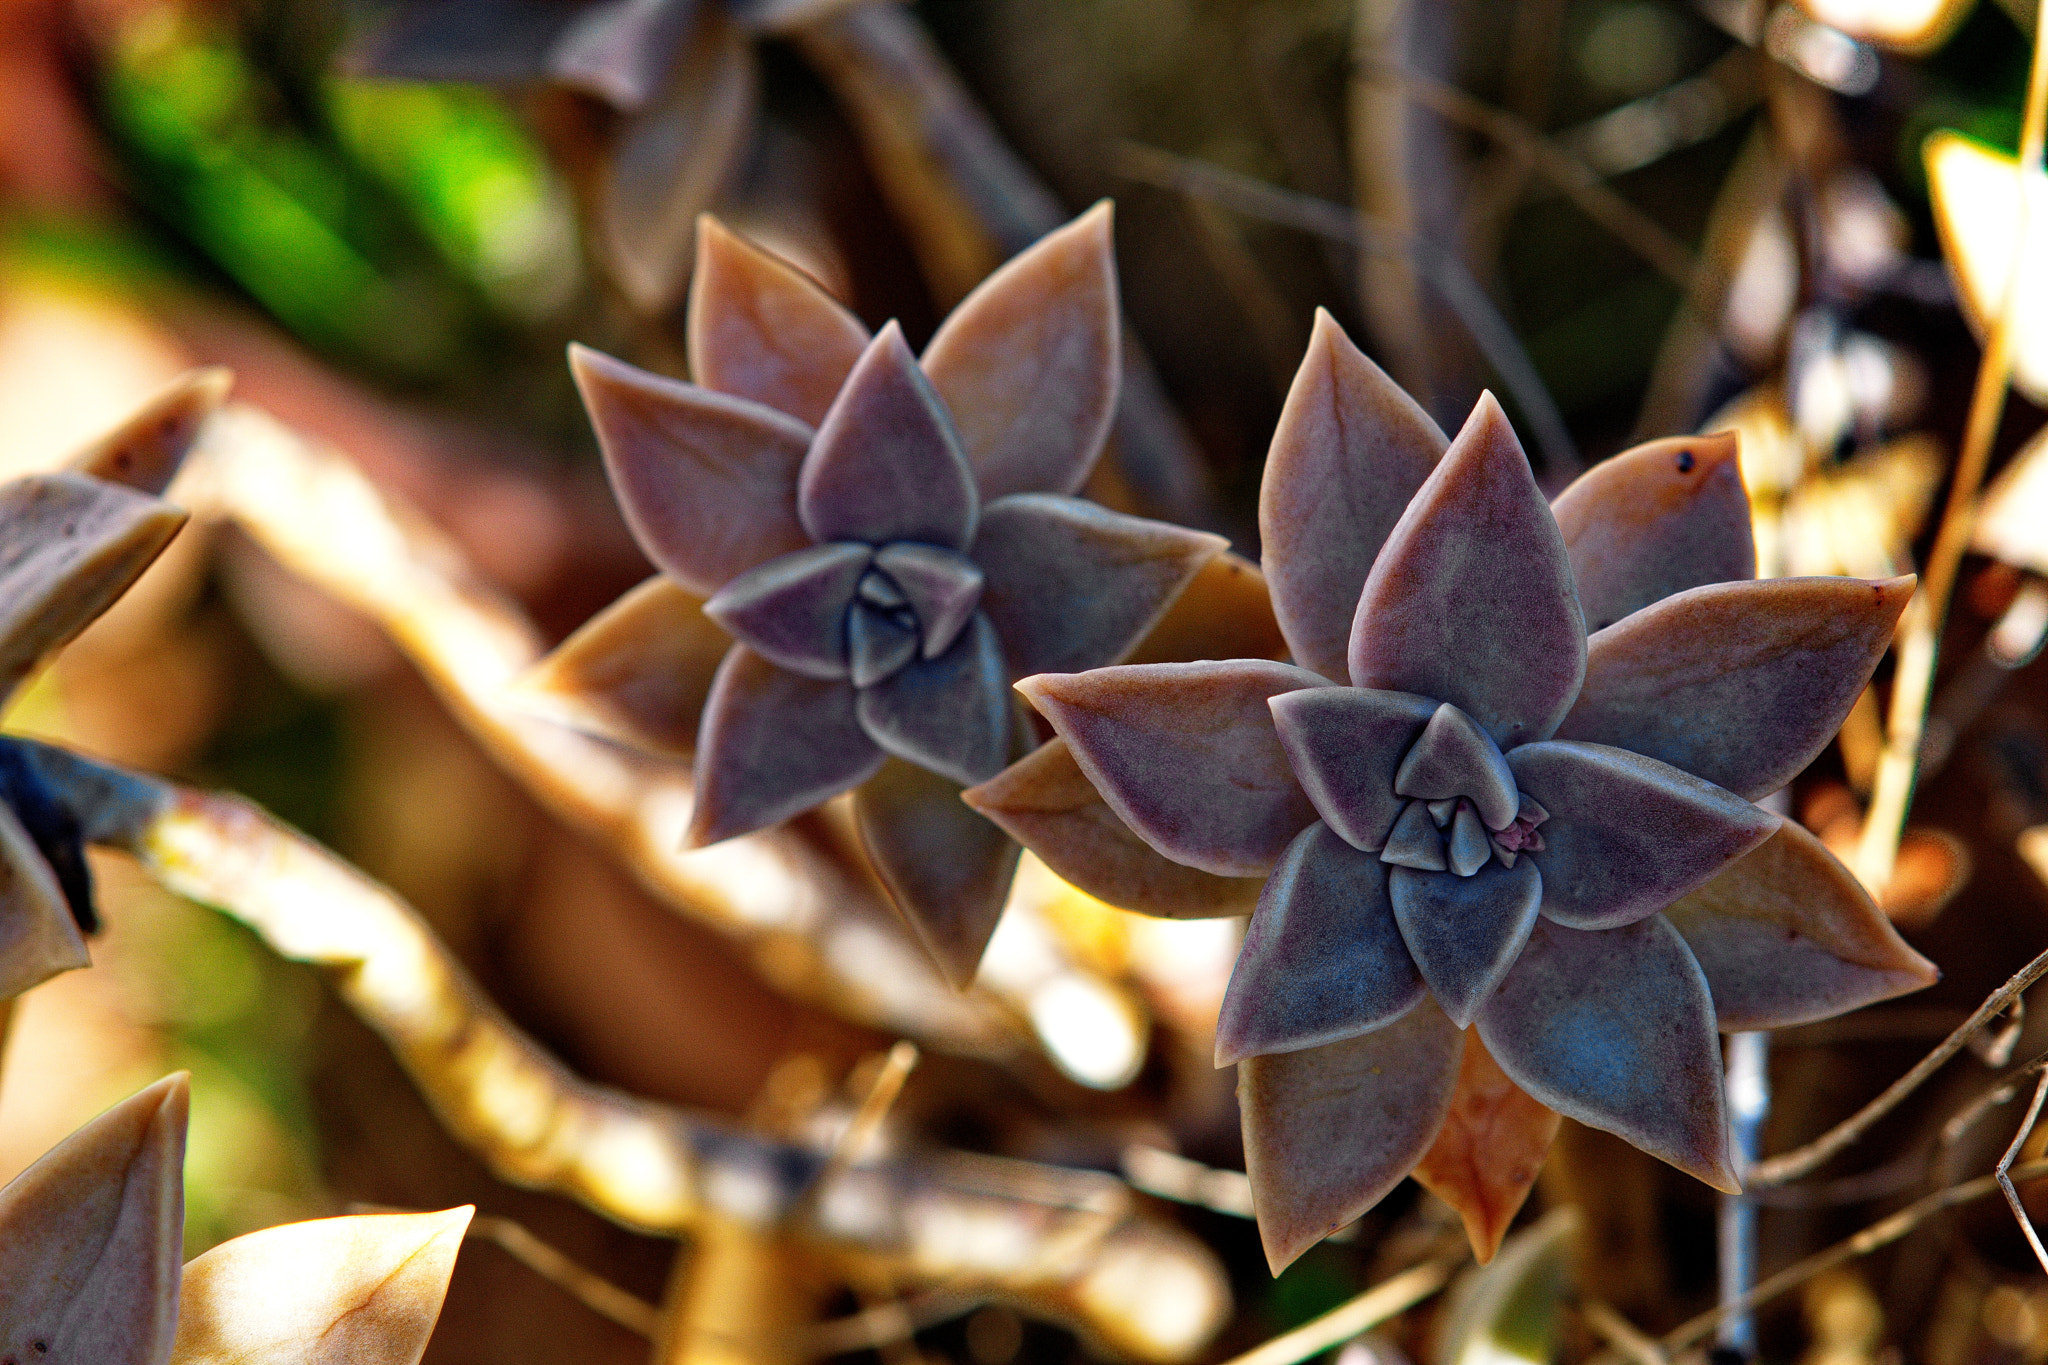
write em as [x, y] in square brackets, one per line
[890, 541]
[1472, 818]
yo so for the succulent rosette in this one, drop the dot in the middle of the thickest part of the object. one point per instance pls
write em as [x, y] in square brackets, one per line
[880, 544]
[1510, 871]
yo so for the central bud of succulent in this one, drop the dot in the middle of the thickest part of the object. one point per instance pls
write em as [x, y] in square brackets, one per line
[1463, 807]
[911, 600]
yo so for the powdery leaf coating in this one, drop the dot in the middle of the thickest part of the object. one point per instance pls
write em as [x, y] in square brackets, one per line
[1740, 683]
[1453, 757]
[707, 481]
[1653, 521]
[792, 610]
[1322, 959]
[1465, 932]
[1615, 1029]
[1487, 1155]
[145, 451]
[1344, 744]
[1073, 586]
[1787, 935]
[1186, 755]
[619, 50]
[760, 328]
[948, 869]
[1029, 362]
[1349, 452]
[90, 1237]
[1329, 1130]
[1471, 599]
[950, 714]
[38, 933]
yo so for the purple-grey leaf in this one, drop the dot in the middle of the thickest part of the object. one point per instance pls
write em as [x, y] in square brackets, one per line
[1468, 846]
[39, 935]
[1322, 959]
[637, 673]
[886, 464]
[1453, 757]
[760, 328]
[946, 867]
[1615, 1028]
[1351, 449]
[1345, 744]
[1073, 586]
[492, 42]
[940, 586]
[1471, 598]
[619, 50]
[1415, 842]
[878, 642]
[792, 610]
[1465, 932]
[772, 745]
[950, 714]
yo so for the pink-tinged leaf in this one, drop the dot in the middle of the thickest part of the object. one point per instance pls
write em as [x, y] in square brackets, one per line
[887, 464]
[772, 745]
[1615, 1028]
[1486, 1156]
[760, 328]
[1787, 935]
[1187, 755]
[792, 610]
[90, 1238]
[1322, 959]
[1627, 835]
[878, 644]
[1741, 683]
[947, 868]
[38, 934]
[492, 42]
[1655, 520]
[1223, 613]
[1453, 757]
[1329, 1130]
[1344, 744]
[940, 586]
[1073, 586]
[1471, 599]
[145, 451]
[1465, 932]
[637, 673]
[1029, 362]
[1349, 452]
[1048, 804]
[950, 714]
[619, 50]
[707, 481]
[335, 1291]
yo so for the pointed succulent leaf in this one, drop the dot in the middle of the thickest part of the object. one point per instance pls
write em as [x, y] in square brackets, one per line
[1627, 835]
[950, 714]
[38, 933]
[1787, 935]
[1186, 755]
[1028, 363]
[1073, 586]
[1350, 451]
[1465, 932]
[887, 464]
[1486, 1156]
[1048, 804]
[492, 42]
[1655, 520]
[1471, 599]
[1344, 744]
[1329, 1130]
[760, 328]
[947, 868]
[1322, 959]
[878, 643]
[1453, 757]
[90, 1237]
[1415, 842]
[707, 481]
[1741, 683]
[940, 586]
[619, 50]
[145, 451]
[771, 746]
[1223, 613]
[792, 610]
[1615, 1028]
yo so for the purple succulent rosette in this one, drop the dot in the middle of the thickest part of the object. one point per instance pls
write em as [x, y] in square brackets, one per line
[889, 542]
[1469, 814]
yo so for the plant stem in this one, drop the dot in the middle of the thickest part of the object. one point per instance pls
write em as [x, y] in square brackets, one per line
[1749, 1106]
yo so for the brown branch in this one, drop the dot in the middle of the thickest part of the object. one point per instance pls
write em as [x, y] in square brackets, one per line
[1361, 1314]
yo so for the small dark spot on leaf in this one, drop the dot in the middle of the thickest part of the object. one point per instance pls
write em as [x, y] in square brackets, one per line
[42, 1347]
[1685, 462]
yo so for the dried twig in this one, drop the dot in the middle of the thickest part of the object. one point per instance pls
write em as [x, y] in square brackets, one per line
[1361, 1314]
[1388, 291]
[1624, 1336]
[2003, 1171]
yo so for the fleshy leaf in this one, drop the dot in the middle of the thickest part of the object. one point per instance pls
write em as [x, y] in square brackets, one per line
[887, 464]
[365, 1290]
[1223, 613]
[772, 745]
[1345, 744]
[1048, 804]
[1486, 1157]
[1186, 755]
[1453, 757]
[1322, 959]
[1073, 586]
[1415, 842]
[494, 42]
[619, 50]
[1615, 1028]
[941, 587]
[946, 867]
[1029, 362]
[1465, 932]
[1351, 449]
[1471, 599]
[1329, 1130]
[145, 451]
[792, 610]
[90, 1237]
[762, 329]
[950, 714]
[1655, 520]
[707, 481]
[1787, 935]
[1740, 683]
[38, 933]
[878, 643]
[1628, 835]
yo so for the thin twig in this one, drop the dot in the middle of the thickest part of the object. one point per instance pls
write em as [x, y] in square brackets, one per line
[1624, 1336]
[1361, 1314]
[874, 1108]
[1377, 140]
[2003, 1172]
[872, 1327]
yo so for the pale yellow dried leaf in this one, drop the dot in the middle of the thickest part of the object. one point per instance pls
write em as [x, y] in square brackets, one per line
[1977, 207]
